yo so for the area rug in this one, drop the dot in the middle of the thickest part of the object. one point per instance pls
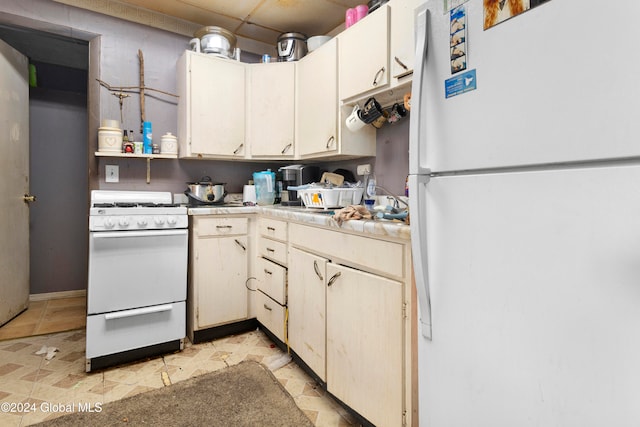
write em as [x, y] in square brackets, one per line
[246, 394]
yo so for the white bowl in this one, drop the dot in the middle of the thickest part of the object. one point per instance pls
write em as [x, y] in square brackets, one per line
[316, 41]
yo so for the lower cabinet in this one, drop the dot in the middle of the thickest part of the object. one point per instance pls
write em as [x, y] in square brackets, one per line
[342, 301]
[348, 322]
[272, 297]
[307, 314]
[271, 275]
[271, 314]
[219, 271]
[365, 336]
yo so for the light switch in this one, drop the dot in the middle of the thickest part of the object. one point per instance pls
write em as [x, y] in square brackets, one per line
[112, 173]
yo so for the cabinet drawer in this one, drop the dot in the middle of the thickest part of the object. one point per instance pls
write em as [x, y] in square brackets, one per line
[272, 280]
[131, 329]
[273, 228]
[271, 315]
[274, 250]
[375, 255]
[220, 226]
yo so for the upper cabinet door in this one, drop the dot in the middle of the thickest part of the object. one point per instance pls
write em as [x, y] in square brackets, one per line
[215, 107]
[401, 38]
[317, 101]
[270, 109]
[364, 55]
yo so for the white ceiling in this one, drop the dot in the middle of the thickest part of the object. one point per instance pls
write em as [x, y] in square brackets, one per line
[260, 20]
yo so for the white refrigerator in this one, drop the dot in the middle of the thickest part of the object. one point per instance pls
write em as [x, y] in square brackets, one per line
[525, 216]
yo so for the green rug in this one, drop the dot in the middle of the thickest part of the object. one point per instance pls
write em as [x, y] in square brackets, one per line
[246, 394]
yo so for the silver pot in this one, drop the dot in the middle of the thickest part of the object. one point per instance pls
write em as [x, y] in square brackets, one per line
[217, 41]
[206, 191]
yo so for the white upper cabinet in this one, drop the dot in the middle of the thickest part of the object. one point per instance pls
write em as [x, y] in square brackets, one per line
[401, 39]
[317, 102]
[270, 110]
[211, 107]
[364, 55]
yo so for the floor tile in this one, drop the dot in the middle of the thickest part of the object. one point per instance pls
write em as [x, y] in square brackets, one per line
[28, 377]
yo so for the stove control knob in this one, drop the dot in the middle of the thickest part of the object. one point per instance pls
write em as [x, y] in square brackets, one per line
[172, 220]
[108, 223]
[124, 222]
[158, 220]
[142, 222]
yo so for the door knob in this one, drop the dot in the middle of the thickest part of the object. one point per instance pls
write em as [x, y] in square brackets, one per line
[28, 198]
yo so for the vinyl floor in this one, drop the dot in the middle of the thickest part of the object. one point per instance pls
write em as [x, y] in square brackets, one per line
[34, 388]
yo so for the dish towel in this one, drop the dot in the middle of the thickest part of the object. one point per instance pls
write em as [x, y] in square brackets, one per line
[351, 212]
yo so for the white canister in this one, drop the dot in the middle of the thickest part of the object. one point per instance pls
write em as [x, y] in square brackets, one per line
[249, 194]
[168, 144]
[110, 139]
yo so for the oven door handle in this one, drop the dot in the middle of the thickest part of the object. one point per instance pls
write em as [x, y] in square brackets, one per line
[138, 311]
[145, 233]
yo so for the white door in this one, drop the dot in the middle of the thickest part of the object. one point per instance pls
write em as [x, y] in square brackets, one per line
[14, 182]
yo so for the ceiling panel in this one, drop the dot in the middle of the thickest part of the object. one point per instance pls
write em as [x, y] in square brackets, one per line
[238, 9]
[310, 17]
[261, 20]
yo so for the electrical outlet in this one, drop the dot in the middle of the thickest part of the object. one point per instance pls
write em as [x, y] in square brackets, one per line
[111, 173]
[364, 169]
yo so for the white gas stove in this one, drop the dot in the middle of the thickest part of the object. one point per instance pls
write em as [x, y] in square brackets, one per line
[135, 210]
[136, 294]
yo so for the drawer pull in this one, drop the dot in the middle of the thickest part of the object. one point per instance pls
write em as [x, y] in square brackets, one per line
[334, 278]
[267, 271]
[401, 63]
[224, 226]
[270, 250]
[285, 149]
[330, 141]
[240, 244]
[378, 74]
[317, 269]
[271, 228]
[267, 307]
[138, 311]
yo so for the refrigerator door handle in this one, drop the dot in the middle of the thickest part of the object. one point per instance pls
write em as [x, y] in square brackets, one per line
[418, 124]
[418, 209]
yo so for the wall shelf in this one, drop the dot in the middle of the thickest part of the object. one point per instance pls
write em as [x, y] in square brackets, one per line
[149, 157]
[135, 156]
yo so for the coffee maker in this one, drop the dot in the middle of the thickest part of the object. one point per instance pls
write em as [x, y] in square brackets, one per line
[295, 175]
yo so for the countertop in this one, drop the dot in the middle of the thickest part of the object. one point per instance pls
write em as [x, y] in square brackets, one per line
[395, 229]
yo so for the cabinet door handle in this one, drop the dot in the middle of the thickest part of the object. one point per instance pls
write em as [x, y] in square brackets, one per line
[267, 307]
[317, 269]
[330, 141]
[378, 74]
[239, 243]
[400, 63]
[334, 278]
[237, 150]
[285, 149]
[267, 271]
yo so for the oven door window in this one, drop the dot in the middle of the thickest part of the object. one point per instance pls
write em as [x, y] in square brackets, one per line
[129, 269]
